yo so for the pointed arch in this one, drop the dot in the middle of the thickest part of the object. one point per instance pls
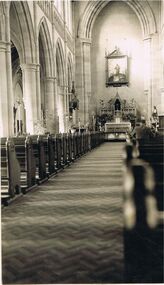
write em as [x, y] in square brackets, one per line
[44, 34]
[60, 63]
[25, 33]
[70, 71]
[141, 9]
[60, 75]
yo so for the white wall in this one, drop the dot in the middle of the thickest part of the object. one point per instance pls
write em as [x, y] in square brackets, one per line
[117, 25]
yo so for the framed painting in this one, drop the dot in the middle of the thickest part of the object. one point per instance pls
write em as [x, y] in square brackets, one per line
[116, 69]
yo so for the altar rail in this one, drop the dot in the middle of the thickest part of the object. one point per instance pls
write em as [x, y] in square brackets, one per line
[28, 161]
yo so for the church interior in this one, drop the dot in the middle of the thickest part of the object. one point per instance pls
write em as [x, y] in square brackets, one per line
[82, 132]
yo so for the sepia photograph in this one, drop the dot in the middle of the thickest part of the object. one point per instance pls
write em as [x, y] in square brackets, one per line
[82, 142]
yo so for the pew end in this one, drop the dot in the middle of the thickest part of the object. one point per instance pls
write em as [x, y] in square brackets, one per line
[10, 171]
[143, 225]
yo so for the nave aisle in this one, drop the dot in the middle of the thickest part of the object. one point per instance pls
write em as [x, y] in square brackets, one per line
[70, 229]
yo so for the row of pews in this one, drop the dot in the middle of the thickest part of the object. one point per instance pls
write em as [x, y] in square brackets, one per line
[28, 161]
[143, 210]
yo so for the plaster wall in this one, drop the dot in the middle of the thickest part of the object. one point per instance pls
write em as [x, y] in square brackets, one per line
[117, 25]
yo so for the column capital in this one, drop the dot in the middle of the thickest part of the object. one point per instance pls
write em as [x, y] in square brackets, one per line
[86, 40]
[148, 38]
[50, 78]
[4, 45]
[29, 66]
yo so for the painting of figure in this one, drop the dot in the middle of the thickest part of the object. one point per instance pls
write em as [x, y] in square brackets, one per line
[117, 71]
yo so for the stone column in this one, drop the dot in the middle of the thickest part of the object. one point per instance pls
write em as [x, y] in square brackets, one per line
[29, 72]
[56, 117]
[6, 92]
[147, 73]
[38, 95]
[66, 103]
[54, 38]
[87, 78]
[9, 71]
[5, 89]
[83, 77]
[50, 103]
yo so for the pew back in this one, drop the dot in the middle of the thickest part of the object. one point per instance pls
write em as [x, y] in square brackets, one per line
[152, 151]
[25, 156]
[10, 170]
[40, 157]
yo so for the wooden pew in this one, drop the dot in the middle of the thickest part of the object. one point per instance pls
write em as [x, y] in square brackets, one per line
[26, 159]
[143, 228]
[10, 171]
[70, 148]
[81, 144]
[63, 149]
[96, 139]
[153, 152]
[92, 140]
[58, 153]
[56, 164]
[84, 142]
[75, 145]
[78, 142]
[40, 157]
[64, 145]
[44, 141]
[89, 141]
[51, 154]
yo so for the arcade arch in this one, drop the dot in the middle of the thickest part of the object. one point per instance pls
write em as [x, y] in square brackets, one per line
[60, 85]
[47, 80]
[23, 67]
[92, 10]
[19, 111]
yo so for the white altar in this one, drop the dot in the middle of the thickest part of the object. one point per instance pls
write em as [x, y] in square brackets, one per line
[117, 126]
[118, 129]
[118, 113]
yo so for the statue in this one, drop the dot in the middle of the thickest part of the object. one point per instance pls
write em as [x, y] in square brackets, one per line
[14, 111]
[155, 119]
